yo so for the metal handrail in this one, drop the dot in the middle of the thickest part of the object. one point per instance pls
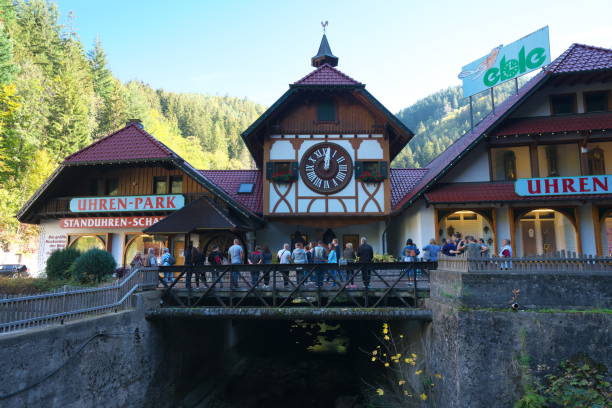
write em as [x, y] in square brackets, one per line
[42, 309]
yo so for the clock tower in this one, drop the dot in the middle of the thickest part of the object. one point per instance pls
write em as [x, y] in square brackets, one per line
[325, 149]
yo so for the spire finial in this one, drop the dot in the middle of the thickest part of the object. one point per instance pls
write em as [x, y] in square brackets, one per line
[324, 56]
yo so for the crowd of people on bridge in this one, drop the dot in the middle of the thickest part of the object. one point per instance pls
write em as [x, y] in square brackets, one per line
[315, 253]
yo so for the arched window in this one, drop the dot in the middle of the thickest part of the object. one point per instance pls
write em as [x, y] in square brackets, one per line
[596, 159]
[142, 243]
[86, 242]
[509, 165]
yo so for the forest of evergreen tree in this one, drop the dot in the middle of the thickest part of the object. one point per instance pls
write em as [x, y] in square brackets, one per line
[56, 98]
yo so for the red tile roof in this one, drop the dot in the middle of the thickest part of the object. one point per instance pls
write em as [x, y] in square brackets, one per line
[327, 75]
[487, 192]
[230, 180]
[550, 124]
[403, 182]
[128, 143]
[580, 57]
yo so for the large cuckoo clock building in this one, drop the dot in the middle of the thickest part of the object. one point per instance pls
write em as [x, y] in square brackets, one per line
[534, 171]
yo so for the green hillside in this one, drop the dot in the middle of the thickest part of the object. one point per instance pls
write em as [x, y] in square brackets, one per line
[441, 118]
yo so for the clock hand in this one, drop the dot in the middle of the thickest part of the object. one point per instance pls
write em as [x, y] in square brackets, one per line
[327, 154]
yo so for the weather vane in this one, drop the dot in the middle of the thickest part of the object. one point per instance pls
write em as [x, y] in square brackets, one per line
[324, 24]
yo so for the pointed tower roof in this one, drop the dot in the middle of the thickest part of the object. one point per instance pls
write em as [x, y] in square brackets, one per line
[324, 56]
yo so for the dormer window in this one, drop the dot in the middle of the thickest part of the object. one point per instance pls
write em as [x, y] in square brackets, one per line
[563, 104]
[596, 101]
[326, 111]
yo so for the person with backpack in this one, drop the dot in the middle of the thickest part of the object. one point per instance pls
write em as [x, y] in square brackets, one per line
[284, 257]
[215, 258]
[168, 260]
[255, 258]
[319, 256]
[197, 259]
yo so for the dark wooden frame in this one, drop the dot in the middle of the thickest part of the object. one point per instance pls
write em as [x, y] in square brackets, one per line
[575, 105]
[604, 91]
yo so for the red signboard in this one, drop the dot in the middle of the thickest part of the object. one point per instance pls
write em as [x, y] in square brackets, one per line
[109, 222]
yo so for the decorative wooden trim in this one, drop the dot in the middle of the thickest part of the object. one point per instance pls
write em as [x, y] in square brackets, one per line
[370, 197]
[597, 229]
[534, 160]
[266, 186]
[282, 197]
[577, 229]
[437, 224]
[356, 143]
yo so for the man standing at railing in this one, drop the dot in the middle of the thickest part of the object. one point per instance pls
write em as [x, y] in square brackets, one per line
[506, 252]
[236, 256]
[365, 254]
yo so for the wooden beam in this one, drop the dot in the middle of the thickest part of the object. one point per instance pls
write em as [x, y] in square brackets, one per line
[577, 227]
[534, 160]
[437, 225]
[512, 231]
[494, 227]
[597, 229]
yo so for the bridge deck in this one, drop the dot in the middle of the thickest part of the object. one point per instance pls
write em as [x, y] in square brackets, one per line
[308, 285]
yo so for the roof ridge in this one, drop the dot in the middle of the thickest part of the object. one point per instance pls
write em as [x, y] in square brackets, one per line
[321, 68]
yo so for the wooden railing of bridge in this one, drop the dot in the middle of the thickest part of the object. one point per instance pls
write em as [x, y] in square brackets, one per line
[570, 263]
[361, 285]
[17, 313]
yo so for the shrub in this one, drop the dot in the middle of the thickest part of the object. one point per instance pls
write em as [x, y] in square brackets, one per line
[59, 263]
[27, 286]
[93, 266]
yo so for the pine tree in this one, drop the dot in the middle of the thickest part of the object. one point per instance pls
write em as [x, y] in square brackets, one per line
[8, 69]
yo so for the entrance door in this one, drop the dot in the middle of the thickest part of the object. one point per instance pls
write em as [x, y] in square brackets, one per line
[530, 245]
[549, 239]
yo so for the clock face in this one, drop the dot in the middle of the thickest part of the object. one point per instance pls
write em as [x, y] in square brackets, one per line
[326, 168]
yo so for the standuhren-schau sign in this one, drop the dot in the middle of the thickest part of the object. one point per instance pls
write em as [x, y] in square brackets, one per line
[166, 202]
[504, 63]
[553, 186]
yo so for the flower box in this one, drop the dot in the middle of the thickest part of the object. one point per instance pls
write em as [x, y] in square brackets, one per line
[282, 172]
[371, 171]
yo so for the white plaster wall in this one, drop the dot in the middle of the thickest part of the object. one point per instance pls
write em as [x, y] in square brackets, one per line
[52, 228]
[587, 230]
[539, 103]
[417, 222]
[282, 150]
[473, 167]
[370, 150]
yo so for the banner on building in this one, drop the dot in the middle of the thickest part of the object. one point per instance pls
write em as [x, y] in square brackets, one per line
[109, 222]
[504, 63]
[552, 186]
[166, 202]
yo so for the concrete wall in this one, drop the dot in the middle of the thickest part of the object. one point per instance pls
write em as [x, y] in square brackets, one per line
[118, 370]
[476, 341]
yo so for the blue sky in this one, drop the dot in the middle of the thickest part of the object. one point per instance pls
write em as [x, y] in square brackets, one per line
[402, 50]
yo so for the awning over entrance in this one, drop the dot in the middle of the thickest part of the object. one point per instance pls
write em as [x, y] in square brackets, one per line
[202, 214]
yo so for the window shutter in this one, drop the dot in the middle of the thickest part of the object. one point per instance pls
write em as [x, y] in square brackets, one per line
[294, 169]
[358, 169]
[383, 169]
[269, 169]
